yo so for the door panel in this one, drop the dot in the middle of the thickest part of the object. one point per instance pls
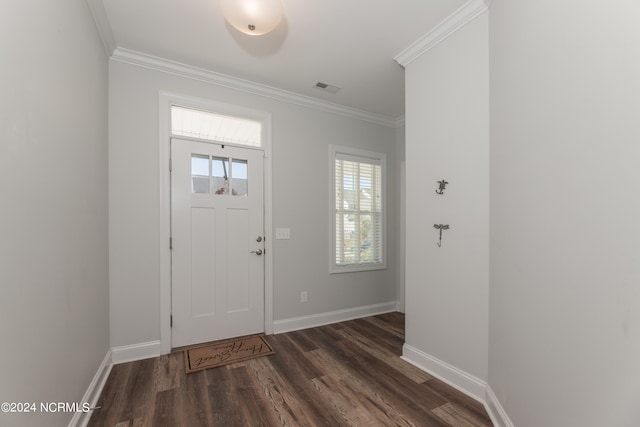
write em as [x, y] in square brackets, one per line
[203, 262]
[216, 218]
[238, 226]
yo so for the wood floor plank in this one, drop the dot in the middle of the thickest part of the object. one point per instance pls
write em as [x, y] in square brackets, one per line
[459, 400]
[457, 417]
[290, 411]
[224, 405]
[345, 402]
[371, 345]
[110, 400]
[395, 320]
[305, 344]
[195, 401]
[139, 401]
[368, 366]
[385, 339]
[343, 374]
[289, 353]
[167, 410]
[372, 399]
[298, 375]
[253, 405]
[388, 357]
[399, 390]
[168, 374]
[388, 324]
[143, 422]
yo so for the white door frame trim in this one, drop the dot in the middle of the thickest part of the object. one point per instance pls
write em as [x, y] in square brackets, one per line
[166, 100]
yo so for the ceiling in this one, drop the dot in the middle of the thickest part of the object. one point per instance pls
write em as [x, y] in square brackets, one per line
[346, 43]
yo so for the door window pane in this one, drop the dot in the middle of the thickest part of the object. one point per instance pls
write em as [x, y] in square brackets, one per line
[200, 174]
[239, 178]
[220, 175]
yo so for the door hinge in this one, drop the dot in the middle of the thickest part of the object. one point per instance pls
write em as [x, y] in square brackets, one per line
[170, 243]
[170, 165]
[171, 321]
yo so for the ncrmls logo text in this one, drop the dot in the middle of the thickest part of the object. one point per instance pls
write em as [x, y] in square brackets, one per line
[64, 407]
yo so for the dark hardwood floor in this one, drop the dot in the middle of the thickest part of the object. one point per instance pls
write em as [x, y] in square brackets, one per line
[345, 374]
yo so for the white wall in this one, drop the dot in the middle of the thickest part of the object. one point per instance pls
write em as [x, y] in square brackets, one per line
[447, 137]
[53, 192]
[300, 201]
[565, 209]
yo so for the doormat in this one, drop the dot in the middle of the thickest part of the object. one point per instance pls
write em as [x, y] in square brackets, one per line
[225, 352]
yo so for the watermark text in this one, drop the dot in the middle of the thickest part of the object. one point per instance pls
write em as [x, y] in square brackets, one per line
[43, 407]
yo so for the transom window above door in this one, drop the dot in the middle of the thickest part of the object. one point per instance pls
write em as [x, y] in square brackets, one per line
[215, 127]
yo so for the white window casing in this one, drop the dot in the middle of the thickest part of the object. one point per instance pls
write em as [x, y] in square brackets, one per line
[357, 210]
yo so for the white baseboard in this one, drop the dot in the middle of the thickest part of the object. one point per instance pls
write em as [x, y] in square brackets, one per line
[498, 415]
[315, 320]
[91, 396]
[131, 353]
[456, 378]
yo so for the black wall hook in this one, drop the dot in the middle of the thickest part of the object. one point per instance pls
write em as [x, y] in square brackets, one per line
[440, 227]
[440, 189]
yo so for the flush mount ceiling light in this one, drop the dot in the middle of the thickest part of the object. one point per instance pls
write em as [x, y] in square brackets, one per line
[253, 17]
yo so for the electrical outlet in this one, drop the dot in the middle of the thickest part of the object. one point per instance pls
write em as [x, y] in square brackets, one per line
[303, 296]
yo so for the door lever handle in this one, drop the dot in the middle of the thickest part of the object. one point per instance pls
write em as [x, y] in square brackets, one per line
[258, 252]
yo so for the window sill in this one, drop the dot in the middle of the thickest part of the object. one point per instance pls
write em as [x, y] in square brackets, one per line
[336, 269]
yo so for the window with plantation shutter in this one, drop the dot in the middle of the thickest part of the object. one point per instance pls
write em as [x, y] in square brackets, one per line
[358, 200]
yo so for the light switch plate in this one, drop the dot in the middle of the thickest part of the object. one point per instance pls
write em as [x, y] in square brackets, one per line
[283, 233]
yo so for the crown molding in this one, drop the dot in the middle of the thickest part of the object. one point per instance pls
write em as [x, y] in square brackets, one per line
[102, 24]
[447, 27]
[194, 73]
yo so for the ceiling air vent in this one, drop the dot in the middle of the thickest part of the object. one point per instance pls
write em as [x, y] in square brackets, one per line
[326, 87]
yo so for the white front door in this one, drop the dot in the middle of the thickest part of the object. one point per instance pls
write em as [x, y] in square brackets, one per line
[217, 242]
